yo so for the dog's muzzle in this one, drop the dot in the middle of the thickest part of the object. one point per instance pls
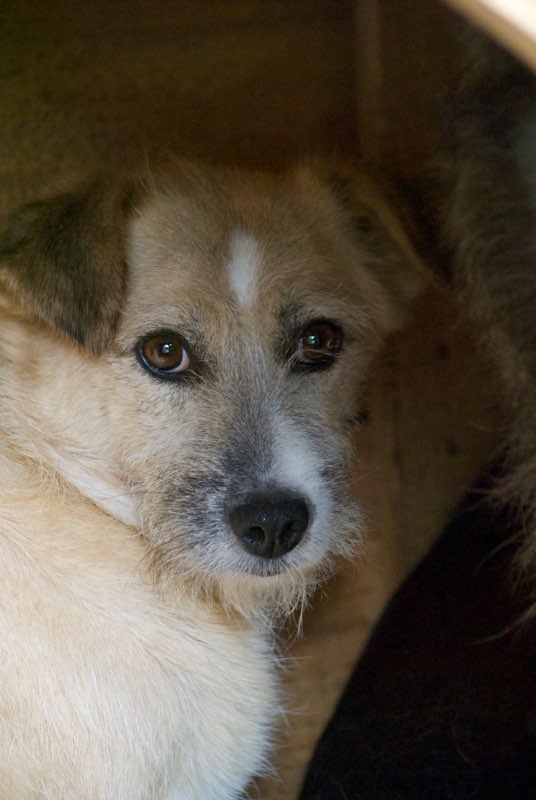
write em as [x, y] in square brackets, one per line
[270, 524]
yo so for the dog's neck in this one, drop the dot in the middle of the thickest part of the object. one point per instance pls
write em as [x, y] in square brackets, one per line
[109, 493]
[29, 422]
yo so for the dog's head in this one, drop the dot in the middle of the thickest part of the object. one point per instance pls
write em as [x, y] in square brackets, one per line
[193, 350]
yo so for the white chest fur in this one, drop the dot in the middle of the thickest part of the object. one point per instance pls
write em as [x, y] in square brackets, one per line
[105, 689]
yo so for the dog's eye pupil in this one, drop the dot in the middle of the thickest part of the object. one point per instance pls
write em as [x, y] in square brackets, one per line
[318, 344]
[164, 353]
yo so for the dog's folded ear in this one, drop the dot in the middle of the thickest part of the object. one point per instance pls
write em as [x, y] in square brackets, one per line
[63, 259]
[384, 226]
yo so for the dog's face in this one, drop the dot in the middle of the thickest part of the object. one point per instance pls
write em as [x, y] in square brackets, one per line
[223, 324]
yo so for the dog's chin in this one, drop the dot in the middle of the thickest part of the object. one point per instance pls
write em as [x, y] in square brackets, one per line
[264, 568]
[262, 591]
[266, 593]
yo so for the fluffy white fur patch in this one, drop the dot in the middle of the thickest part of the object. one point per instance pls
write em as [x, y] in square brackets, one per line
[243, 266]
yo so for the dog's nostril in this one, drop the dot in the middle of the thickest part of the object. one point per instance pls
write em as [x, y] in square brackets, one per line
[270, 524]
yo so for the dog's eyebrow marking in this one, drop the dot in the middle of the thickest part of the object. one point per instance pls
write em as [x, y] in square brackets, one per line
[242, 267]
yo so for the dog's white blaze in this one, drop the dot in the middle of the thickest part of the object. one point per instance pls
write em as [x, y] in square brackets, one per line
[243, 266]
[296, 462]
[297, 465]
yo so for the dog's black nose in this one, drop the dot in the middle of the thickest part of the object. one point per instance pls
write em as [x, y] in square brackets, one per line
[270, 524]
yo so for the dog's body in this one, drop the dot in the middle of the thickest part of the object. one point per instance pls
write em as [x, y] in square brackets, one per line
[108, 690]
[179, 370]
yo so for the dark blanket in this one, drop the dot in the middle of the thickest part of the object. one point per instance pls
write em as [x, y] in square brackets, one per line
[443, 702]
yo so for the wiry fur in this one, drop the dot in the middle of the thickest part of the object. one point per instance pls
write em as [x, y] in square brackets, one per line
[490, 222]
[135, 655]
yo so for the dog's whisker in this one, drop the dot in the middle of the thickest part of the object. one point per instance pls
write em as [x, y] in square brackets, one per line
[363, 476]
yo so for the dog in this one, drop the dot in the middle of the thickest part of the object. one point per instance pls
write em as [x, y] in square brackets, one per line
[488, 180]
[181, 357]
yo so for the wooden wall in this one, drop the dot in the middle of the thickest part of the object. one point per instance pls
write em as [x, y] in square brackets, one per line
[405, 58]
[93, 83]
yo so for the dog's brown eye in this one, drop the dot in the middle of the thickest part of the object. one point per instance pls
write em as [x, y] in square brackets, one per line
[318, 345]
[165, 354]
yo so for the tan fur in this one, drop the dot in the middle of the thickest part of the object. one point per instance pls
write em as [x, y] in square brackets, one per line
[135, 652]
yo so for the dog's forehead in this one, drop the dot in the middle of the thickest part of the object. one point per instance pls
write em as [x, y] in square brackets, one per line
[244, 249]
